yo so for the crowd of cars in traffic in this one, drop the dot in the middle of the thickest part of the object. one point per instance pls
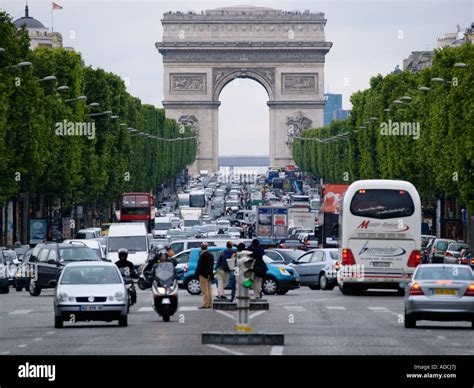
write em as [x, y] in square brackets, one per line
[88, 285]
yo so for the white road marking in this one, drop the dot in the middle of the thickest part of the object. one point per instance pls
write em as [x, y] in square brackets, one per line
[336, 308]
[226, 314]
[4, 353]
[295, 308]
[21, 312]
[188, 308]
[38, 339]
[276, 351]
[145, 309]
[22, 346]
[224, 349]
[441, 337]
[50, 333]
[256, 314]
[381, 309]
[456, 344]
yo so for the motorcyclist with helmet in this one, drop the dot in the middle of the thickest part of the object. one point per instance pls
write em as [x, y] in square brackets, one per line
[127, 269]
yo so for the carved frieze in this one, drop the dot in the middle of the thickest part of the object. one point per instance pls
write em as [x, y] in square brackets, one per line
[194, 83]
[299, 83]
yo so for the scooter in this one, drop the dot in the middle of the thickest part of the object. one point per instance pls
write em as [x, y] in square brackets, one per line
[131, 290]
[164, 289]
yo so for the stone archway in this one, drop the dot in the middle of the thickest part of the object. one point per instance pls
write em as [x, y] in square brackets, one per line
[283, 51]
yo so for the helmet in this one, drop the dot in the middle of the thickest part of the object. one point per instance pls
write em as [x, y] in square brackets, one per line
[167, 246]
[123, 252]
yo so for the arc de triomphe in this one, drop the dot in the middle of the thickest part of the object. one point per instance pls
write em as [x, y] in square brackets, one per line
[283, 51]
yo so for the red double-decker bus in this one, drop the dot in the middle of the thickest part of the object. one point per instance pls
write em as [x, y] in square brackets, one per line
[137, 207]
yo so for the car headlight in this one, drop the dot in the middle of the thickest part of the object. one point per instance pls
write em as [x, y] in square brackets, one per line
[119, 296]
[63, 297]
[284, 272]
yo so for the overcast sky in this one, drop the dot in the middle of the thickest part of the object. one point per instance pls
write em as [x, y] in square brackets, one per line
[119, 36]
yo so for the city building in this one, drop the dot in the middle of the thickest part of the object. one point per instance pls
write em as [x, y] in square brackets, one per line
[456, 39]
[333, 108]
[40, 36]
[418, 60]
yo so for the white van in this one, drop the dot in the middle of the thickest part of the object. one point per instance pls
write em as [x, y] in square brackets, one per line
[132, 236]
[162, 225]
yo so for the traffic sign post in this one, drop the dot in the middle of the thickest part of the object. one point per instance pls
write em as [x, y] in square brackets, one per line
[243, 334]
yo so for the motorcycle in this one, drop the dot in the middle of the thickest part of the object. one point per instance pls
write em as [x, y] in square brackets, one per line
[131, 290]
[164, 289]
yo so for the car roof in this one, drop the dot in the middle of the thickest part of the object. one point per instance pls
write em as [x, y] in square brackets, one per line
[91, 263]
[88, 243]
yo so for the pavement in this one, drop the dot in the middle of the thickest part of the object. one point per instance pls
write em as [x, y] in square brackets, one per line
[313, 322]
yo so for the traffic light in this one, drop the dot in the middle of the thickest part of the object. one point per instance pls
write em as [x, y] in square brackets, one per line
[247, 272]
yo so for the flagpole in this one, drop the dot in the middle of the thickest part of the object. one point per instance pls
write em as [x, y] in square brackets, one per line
[52, 19]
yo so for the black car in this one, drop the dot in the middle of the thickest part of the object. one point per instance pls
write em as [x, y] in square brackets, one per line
[22, 277]
[286, 256]
[47, 261]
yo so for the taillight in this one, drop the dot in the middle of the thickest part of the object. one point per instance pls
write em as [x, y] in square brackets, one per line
[308, 243]
[470, 290]
[347, 257]
[414, 259]
[448, 253]
[337, 265]
[282, 246]
[185, 268]
[415, 289]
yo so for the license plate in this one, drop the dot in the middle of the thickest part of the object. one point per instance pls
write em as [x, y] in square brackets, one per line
[444, 291]
[91, 308]
[297, 279]
[383, 264]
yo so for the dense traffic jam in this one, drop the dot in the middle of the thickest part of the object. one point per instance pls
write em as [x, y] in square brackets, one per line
[359, 236]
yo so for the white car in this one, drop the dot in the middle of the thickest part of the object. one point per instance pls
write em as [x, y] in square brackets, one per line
[93, 291]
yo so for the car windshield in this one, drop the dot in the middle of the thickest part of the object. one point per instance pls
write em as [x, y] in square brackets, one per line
[442, 245]
[443, 273]
[9, 256]
[91, 275]
[163, 226]
[84, 235]
[20, 250]
[457, 247]
[292, 255]
[77, 254]
[132, 243]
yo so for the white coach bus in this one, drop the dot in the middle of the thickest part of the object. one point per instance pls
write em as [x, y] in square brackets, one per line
[380, 235]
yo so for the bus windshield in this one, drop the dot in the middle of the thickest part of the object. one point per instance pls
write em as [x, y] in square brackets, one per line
[382, 203]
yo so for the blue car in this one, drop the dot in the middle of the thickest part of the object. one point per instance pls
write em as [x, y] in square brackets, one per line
[279, 279]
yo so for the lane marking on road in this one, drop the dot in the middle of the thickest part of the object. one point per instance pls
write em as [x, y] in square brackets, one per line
[38, 339]
[145, 309]
[336, 308]
[188, 308]
[309, 301]
[22, 346]
[379, 309]
[256, 314]
[4, 353]
[226, 314]
[441, 337]
[276, 351]
[456, 344]
[20, 312]
[224, 349]
[50, 333]
[295, 308]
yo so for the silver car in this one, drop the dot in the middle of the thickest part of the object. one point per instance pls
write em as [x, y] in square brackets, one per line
[92, 291]
[440, 292]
